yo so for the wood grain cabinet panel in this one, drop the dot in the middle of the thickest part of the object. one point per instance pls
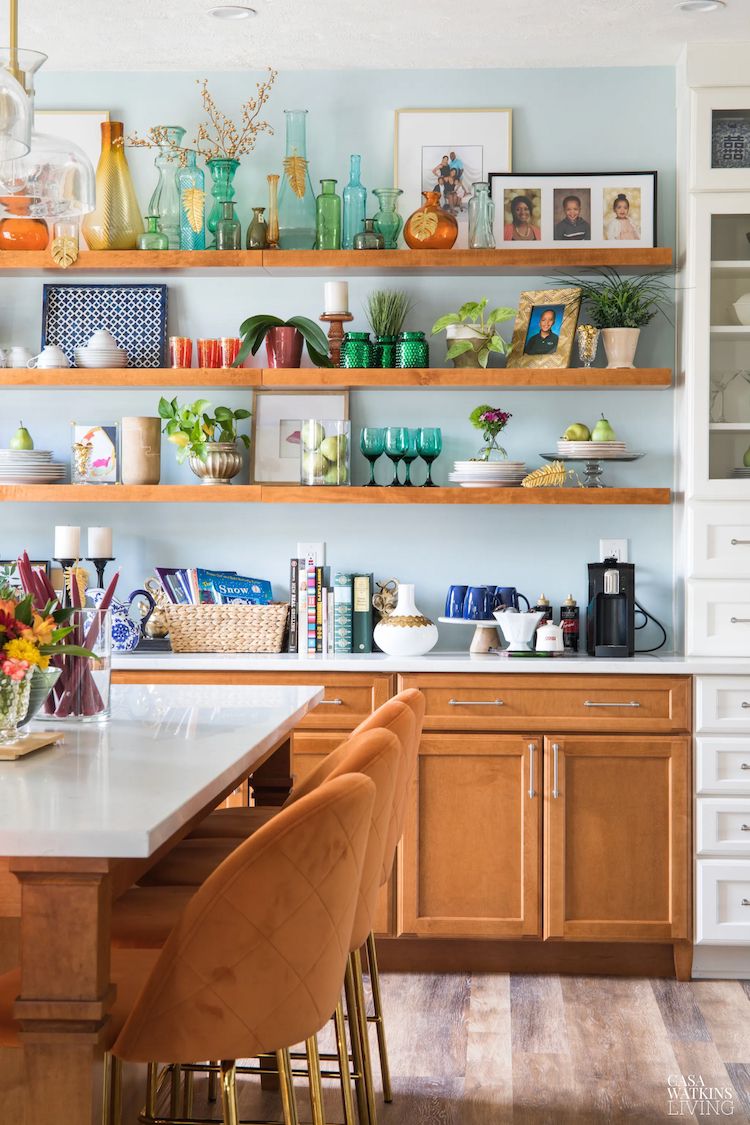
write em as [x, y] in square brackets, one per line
[471, 848]
[616, 831]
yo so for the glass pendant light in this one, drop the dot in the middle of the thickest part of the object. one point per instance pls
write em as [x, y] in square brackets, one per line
[16, 108]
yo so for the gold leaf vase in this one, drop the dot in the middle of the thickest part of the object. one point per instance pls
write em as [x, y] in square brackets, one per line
[430, 228]
[116, 221]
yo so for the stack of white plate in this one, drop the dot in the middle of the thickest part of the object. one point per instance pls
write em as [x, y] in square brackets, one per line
[30, 466]
[599, 450]
[488, 474]
[740, 473]
[101, 351]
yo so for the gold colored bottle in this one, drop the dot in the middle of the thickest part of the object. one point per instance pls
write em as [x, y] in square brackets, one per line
[116, 221]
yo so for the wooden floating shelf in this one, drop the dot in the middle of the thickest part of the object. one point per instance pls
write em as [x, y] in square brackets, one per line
[300, 494]
[314, 378]
[364, 262]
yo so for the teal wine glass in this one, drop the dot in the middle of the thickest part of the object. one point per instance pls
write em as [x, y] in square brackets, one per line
[429, 446]
[372, 445]
[396, 442]
[411, 453]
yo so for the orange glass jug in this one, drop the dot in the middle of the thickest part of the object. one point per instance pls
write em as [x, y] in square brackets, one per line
[431, 227]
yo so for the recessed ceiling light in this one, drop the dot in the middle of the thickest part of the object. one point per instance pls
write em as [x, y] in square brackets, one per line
[699, 5]
[232, 12]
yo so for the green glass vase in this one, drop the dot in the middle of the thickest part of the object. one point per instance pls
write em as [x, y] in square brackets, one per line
[385, 351]
[357, 350]
[153, 238]
[387, 219]
[328, 217]
[257, 231]
[412, 350]
[222, 172]
[369, 238]
[297, 227]
[228, 231]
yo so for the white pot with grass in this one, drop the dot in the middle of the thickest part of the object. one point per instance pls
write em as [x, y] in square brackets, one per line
[620, 306]
[620, 345]
[472, 335]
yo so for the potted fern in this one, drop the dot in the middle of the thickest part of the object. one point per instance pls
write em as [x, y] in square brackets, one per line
[620, 307]
[387, 310]
[471, 335]
[284, 340]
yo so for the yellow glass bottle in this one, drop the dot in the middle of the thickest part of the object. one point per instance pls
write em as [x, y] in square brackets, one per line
[116, 221]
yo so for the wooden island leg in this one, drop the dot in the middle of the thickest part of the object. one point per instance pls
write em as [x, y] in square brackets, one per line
[271, 782]
[683, 960]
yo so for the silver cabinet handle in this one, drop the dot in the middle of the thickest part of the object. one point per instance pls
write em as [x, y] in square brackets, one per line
[632, 703]
[555, 768]
[746, 902]
[331, 703]
[740, 542]
[745, 766]
[745, 828]
[745, 705]
[740, 620]
[475, 703]
[532, 748]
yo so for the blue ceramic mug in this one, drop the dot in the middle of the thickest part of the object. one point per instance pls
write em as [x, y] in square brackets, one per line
[454, 603]
[477, 603]
[508, 596]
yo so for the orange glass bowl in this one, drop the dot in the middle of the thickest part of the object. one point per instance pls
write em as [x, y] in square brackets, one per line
[23, 234]
[430, 227]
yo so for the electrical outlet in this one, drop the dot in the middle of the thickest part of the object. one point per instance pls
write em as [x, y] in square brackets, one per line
[613, 549]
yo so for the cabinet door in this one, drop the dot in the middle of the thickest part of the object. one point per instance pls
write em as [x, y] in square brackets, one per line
[471, 848]
[617, 837]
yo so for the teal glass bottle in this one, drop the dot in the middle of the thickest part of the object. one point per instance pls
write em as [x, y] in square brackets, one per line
[328, 217]
[222, 172]
[297, 229]
[228, 230]
[165, 202]
[387, 219]
[355, 204]
[191, 186]
[153, 238]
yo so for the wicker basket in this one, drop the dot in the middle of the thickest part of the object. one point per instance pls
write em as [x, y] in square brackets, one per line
[227, 628]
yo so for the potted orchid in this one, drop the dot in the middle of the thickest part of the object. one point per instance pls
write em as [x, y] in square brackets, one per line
[491, 421]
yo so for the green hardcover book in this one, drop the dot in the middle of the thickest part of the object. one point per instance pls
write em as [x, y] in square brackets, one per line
[362, 613]
[342, 613]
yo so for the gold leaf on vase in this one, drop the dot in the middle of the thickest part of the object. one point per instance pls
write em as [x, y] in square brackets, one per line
[64, 251]
[553, 475]
[423, 225]
[192, 204]
[295, 170]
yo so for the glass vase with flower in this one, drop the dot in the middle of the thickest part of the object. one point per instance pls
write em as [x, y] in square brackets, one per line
[491, 421]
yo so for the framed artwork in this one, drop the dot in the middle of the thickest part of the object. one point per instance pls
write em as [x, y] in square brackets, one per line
[447, 150]
[136, 315]
[9, 571]
[81, 126]
[545, 328]
[94, 453]
[277, 418]
[595, 209]
[720, 139]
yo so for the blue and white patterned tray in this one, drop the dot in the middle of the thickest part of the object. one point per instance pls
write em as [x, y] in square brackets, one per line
[136, 315]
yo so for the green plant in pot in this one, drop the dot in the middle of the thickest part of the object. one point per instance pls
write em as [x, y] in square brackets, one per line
[207, 441]
[387, 309]
[284, 340]
[471, 334]
[620, 307]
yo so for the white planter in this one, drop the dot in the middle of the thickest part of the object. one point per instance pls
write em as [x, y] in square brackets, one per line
[465, 332]
[620, 345]
[742, 308]
[406, 632]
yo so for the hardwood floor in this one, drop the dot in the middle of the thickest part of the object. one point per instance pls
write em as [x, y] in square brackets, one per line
[548, 1050]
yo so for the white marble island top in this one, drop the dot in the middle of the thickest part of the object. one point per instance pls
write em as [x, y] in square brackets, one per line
[120, 789]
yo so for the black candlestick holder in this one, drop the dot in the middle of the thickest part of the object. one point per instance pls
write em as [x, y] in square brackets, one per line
[67, 565]
[100, 565]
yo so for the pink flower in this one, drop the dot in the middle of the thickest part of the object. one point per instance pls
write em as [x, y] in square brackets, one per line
[15, 669]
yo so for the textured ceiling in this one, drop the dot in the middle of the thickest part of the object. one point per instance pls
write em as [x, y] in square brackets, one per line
[173, 35]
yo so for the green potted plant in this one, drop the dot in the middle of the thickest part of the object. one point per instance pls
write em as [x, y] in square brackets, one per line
[387, 310]
[471, 335]
[620, 307]
[284, 340]
[207, 441]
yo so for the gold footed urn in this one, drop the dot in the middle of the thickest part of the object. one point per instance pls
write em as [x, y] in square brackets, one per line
[223, 461]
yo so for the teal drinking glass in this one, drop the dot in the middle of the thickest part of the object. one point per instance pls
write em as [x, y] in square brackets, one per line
[429, 446]
[410, 455]
[396, 442]
[372, 445]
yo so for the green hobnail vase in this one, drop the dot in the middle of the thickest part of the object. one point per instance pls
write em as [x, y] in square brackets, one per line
[357, 350]
[412, 350]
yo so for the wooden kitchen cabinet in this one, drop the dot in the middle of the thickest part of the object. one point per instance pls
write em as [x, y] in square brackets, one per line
[616, 838]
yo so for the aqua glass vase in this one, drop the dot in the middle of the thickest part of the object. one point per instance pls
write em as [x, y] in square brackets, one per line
[481, 218]
[222, 171]
[328, 217]
[297, 212]
[387, 219]
[191, 186]
[165, 202]
[355, 204]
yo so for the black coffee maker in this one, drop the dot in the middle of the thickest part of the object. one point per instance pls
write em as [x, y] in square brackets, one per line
[610, 618]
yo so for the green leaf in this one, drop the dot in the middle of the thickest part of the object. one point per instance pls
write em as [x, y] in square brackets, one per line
[500, 314]
[243, 353]
[200, 405]
[313, 334]
[223, 413]
[320, 359]
[483, 355]
[444, 321]
[166, 410]
[458, 347]
[472, 309]
[245, 440]
[172, 427]
[261, 320]
[240, 414]
[498, 344]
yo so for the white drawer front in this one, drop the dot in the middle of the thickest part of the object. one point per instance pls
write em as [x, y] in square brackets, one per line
[723, 826]
[722, 902]
[722, 765]
[722, 703]
[717, 615]
[719, 540]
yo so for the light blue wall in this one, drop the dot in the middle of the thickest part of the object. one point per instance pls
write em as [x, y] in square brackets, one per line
[566, 120]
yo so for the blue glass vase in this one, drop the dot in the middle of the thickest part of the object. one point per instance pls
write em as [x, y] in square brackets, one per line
[297, 210]
[191, 184]
[355, 204]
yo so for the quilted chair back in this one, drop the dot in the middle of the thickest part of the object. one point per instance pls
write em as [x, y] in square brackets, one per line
[257, 960]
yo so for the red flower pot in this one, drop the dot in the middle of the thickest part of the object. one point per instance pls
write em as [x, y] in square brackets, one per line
[284, 347]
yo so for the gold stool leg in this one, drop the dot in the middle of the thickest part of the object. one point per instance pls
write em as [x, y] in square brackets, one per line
[174, 1093]
[316, 1084]
[151, 1083]
[385, 1070]
[230, 1110]
[343, 1056]
[107, 1089]
[187, 1095]
[286, 1083]
[116, 1117]
[359, 992]
[212, 1085]
[355, 1035]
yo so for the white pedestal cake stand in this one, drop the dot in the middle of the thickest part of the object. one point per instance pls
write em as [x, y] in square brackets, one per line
[486, 639]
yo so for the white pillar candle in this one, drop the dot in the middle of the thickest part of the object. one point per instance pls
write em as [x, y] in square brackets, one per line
[336, 298]
[100, 543]
[67, 542]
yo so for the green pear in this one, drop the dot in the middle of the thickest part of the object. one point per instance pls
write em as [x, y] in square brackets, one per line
[603, 431]
[334, 448]
[314, 464]
[746, 458]
[336, 474]
[21, 439]
[312, 434]
[579, 431]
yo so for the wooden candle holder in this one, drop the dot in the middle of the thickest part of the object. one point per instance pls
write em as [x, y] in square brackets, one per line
[336, 322]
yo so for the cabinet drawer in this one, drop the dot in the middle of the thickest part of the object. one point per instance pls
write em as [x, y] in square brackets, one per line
[719, 540]
[722, 704]
[723, 826]
[718, 618]
[722, 902]
[656, 704]
[722, 765]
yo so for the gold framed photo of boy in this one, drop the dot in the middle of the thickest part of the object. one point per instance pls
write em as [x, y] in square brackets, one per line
[591, 209]
[545, 328]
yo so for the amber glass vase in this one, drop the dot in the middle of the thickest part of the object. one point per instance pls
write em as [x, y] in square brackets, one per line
[116, 221]
[430, 228]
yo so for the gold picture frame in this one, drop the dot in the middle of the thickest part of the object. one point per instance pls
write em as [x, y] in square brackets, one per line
[537, 341]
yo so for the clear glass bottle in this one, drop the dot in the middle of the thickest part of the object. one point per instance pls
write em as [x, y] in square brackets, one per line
[328, 217]
[228, 230]
[257, 231]
[481, 218]
[165, 202]
[153, 238]
[388, 222]
[191, 187]
[296, 197]
[355, 204]
[116, 221]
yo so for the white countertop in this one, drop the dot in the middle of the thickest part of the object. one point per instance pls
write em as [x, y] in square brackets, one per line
[667, 664]
[124, 787]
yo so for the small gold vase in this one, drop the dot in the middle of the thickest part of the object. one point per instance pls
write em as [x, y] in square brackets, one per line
[116, 221]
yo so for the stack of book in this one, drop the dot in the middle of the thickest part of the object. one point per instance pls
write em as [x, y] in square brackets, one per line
[327, 616]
